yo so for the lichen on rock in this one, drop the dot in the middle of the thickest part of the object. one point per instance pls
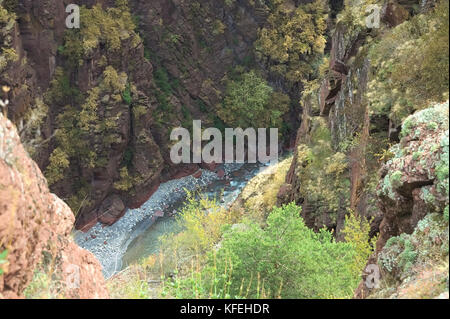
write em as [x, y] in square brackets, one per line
[412, 250]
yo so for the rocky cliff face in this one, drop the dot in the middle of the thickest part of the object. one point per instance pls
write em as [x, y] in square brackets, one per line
[35, 232]
[340, 105]
[412, 249]
[342, 128]
[95, 107]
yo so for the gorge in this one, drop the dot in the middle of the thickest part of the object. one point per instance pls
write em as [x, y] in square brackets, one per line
[362, 117]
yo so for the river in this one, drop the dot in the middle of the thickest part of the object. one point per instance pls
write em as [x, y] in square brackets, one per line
[135, 236]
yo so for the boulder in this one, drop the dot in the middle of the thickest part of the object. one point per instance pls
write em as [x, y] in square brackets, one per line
[111, 210]
[35, 223]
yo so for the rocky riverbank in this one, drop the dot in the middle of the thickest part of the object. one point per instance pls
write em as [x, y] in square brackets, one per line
[109, 243]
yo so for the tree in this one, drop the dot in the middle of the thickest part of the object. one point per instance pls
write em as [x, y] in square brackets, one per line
[251, 102]
[285, 259]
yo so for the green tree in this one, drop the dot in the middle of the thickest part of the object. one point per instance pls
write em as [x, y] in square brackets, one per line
[285, 259]
[251, 102]
[357, 233]
[294, 38]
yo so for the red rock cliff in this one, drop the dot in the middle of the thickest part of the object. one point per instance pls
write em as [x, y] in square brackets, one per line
[35, 229]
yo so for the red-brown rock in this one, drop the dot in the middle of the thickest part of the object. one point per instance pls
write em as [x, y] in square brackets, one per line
[111, 210]
[198, 174]
[33, 221]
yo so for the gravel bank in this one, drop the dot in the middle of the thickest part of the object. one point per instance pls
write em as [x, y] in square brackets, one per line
[109, 244]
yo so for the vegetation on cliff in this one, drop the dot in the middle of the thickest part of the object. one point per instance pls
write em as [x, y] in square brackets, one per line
[293, 41]
[407, 65]
[415, 264]
[368, 182]
[8, 53]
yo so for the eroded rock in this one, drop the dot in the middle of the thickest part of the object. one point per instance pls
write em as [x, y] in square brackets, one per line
[35, 229]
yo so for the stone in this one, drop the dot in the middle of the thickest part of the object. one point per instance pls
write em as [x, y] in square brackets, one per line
[33, 220]
[111, 210]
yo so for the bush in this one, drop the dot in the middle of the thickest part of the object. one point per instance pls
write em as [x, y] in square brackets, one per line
[3, 261]
[286, 260]
[293, 39]
[356, 232]
[408, 62]
[251, 102]
[59, 162]
[322, 172]
[201, 223]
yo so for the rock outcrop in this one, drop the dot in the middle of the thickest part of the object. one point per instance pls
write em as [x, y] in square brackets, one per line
[409, 208]
[171, 58]
[35, 230]
[413, 195]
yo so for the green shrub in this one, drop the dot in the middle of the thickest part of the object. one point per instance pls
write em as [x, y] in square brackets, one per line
[285, 259]
[322, 172]
[3, 261]
[356, 232]
[250, 102]
[59, 162]
[408, 62]
[293, 39]
[126, 95]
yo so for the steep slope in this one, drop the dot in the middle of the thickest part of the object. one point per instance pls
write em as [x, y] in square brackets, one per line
[343, 161]
[95, 106]
[35, 231]
[413, 195]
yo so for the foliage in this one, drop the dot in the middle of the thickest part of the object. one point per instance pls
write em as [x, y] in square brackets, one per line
[408, 61]
[7, 56]
[201, 221]
[126, 182]
[7, 22]
[293, 38]
[59, 161]
[126, 95]
[109, 26]
[130, 284]
[433, 147]
[10, 5]
[259, 196]
[165, 90]
[39, 287]
[3, 261]
[31, 131]
[86, 132]
[402, 256]
[251, 102]
[355, 13]
[356, 232]
[322, 172]
[286, 260]
[75, 127]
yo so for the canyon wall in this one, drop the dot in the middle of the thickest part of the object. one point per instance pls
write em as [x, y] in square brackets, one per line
[95, 106]
[343, 161]
[35, 232]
